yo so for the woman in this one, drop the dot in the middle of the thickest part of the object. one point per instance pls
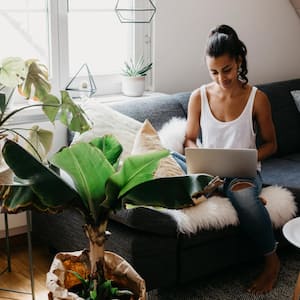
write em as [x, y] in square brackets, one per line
[226, 112]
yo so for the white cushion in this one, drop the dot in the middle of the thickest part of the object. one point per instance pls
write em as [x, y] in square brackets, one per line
[108, 121]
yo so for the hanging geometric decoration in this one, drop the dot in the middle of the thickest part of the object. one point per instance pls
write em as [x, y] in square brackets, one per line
[82, 83]
[135, 11]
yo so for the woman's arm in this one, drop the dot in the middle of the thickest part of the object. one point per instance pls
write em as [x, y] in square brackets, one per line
[263, 116]
[193, 119]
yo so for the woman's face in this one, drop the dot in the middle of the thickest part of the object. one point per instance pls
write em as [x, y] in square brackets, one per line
[223, 70]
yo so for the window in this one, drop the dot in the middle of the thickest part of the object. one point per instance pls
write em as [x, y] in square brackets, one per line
[24, 29]
[65, 34]
[90, 32]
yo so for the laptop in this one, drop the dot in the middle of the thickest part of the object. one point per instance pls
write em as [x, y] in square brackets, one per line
[222, 162]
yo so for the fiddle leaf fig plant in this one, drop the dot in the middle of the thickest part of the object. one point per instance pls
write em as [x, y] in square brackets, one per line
[30, 78]
[96, 185]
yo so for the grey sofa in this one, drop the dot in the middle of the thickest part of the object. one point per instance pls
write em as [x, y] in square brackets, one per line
[149, 239]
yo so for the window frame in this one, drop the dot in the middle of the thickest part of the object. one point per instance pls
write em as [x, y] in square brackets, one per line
[58, 41]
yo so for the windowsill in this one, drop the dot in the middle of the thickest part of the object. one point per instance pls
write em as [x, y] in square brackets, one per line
[121, 97]
[29, 115]
[36, 115]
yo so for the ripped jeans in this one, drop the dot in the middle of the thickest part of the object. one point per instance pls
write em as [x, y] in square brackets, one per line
[253, 216]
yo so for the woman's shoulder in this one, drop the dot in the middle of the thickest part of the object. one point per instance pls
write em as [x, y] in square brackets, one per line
[260, 95]
[261, 101]
[196, 94]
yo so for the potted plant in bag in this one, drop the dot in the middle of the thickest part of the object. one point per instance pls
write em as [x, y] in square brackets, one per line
[99, 187]
[133, 77]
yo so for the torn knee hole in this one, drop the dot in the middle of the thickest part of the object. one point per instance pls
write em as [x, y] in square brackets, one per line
[241, 185]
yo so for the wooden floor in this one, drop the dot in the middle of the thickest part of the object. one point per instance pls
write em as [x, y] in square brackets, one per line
[19, 277]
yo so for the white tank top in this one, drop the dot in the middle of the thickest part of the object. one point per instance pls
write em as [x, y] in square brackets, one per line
[238, 133]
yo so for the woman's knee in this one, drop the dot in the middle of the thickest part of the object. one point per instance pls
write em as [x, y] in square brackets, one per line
[240, 185]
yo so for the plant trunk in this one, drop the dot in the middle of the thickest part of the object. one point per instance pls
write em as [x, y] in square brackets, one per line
[97, 237]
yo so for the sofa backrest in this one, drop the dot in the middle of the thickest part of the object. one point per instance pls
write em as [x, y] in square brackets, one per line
[158, 110]
[286, 116]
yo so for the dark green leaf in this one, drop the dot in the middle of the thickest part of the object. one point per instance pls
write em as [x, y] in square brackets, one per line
[51, 190]
[2, 102]
[169, 192]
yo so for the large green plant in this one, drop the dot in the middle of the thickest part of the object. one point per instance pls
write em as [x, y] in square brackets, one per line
[30, 78]
[99, 187]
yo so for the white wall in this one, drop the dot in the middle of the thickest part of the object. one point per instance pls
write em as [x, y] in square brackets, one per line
[269, 28]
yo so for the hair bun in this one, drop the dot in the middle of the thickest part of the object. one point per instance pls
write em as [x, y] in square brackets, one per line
[225, 29]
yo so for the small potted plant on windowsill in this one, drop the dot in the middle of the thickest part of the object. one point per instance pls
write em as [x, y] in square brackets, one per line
[133, 77]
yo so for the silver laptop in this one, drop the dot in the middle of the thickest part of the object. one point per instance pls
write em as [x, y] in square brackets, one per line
[222, 162]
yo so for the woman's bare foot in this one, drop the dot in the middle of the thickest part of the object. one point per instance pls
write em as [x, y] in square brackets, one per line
[265, 282]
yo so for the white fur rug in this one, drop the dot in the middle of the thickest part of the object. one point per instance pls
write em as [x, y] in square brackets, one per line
[217, 212]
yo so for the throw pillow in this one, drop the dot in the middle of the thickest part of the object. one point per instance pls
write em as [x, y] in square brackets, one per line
[108, 121]
[296, 96]
[147, 140]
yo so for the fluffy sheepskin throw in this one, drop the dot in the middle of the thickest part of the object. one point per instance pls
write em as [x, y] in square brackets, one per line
[217, 212]
[172, 134]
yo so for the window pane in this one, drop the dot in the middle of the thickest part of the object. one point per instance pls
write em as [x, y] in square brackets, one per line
[91, 4]
[24, 29]
[96, 37]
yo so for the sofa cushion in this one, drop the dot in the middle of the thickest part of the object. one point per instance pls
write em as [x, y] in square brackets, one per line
[157, 110]
[286, 117]
[147, 220]
[284, 172]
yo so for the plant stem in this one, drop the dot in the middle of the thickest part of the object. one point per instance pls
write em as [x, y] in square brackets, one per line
[96, 236]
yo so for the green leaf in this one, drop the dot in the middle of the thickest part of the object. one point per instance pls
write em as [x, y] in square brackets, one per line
[72, 115]
[93, 295]
[169, 192]
[51, 107]
[110, 147]
[135, 170]
[89, 169]
[41, 140]
[51, 190]
[36, 84]
[16, 198]
[2, 102]
[12, 71]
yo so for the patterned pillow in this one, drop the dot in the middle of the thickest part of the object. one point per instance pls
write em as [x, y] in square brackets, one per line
[147, 140]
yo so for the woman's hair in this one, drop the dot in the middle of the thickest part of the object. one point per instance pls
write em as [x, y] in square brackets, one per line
[224, 40]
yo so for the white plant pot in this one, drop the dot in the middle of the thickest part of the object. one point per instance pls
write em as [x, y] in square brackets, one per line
[133, 86]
